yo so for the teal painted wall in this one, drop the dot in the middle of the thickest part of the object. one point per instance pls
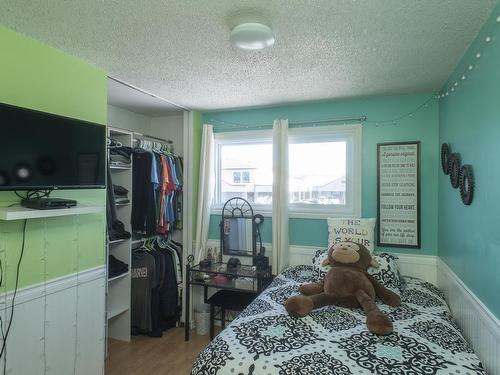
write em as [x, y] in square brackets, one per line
[34, 75]
[421, 126]
[469, 236]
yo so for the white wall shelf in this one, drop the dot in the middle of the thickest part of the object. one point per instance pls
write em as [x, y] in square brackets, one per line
[125, 274]
[20, 213]
[123, 204]
[114, 313]
[119, 287]
[118, 241]
[118, 167]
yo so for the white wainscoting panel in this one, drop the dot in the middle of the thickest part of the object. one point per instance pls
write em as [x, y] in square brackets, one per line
[91, 328]
[478, 324]
[61, 318]
[58, 327]
[25, 344]
[421, 266]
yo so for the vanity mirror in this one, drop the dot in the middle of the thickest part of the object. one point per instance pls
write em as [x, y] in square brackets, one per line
[239, 229]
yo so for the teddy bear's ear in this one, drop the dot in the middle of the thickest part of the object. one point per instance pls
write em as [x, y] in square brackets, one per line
[374, 263]
[325, 262]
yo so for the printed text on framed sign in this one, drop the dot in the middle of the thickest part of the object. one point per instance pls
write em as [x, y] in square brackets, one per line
[398, 194]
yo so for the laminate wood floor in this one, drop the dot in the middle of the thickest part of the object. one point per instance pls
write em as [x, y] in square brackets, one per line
[144, 355]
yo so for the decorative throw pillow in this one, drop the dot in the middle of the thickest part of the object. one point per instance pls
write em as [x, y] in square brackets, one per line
[387, 273]
[361, 231]
[319, 271]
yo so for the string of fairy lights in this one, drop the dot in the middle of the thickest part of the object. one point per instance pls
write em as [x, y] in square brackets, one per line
[456, 84]
[450, 88]
[228, 126]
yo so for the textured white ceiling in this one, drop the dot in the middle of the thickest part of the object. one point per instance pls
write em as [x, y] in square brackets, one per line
[324, 49]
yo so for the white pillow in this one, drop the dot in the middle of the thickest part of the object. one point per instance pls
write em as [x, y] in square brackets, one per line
[361, 231]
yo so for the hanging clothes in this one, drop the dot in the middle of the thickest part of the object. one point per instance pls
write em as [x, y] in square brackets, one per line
[143, 193]
[163, 222]
[156, 287]
[144, 279]
[157, 191]
[168, 291]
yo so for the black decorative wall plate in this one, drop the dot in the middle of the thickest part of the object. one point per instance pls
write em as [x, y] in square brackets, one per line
[445, 151]
[466, 184]
[454, 169]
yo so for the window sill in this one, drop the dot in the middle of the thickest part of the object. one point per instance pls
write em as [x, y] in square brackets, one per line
[317, 215]
[264, 211]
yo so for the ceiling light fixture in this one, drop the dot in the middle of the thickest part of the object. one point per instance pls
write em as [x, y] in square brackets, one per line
[252, 36]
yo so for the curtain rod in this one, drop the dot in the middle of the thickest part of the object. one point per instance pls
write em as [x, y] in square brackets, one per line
[346, 119]
[260, 125]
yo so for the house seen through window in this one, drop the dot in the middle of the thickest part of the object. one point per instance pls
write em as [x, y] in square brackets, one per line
[317, 173]
[246, 171]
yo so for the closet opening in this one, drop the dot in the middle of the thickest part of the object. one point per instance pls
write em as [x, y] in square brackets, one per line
[146, 215]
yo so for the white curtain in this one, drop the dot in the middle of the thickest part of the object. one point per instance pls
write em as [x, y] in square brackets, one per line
[205, 191]
[280, 196]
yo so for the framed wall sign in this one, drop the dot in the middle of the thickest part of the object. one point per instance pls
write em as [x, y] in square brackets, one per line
[398, 194]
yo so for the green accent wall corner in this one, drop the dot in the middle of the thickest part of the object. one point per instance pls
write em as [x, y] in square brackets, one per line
[469, 239]
[37, 76]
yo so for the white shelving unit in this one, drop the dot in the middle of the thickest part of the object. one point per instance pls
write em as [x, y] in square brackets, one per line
[19, 213]
[119, 287]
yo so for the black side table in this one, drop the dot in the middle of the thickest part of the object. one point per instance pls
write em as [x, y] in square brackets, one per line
[233, 294]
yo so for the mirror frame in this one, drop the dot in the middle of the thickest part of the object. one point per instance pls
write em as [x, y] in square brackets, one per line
[237, 207]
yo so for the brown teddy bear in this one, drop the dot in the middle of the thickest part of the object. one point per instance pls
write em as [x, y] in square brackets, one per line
[347, 284]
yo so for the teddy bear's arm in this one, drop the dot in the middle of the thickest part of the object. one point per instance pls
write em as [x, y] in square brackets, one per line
[387, 296]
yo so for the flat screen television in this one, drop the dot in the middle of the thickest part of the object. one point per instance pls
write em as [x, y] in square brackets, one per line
[43, 151]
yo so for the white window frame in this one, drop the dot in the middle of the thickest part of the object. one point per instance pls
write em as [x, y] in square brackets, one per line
[236, 138]
[352, 135]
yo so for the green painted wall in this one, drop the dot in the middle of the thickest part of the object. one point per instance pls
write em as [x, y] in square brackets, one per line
[421, 126]
[469, 236]
[34, 75]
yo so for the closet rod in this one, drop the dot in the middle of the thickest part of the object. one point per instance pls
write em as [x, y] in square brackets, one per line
[147, 93]
[152, 137]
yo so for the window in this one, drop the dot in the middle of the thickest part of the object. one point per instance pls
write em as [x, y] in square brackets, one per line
[244, 168]
[245, 177]
[241, 177]
[317, 172]
[236, 177]
[325, 170]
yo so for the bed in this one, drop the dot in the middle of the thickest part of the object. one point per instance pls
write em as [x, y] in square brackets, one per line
[264, 339]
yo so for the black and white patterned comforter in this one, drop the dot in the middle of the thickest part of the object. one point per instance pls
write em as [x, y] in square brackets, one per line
[264, 339]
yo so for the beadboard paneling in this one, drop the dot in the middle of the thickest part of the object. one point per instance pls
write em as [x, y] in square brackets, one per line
[58, 327]
[478, 324]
